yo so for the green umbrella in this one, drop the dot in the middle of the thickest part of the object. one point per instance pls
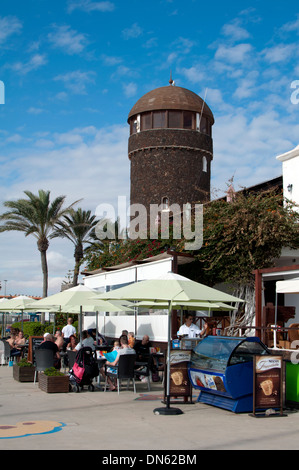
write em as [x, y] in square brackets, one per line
[81, 298]
[171, 288]
[18, 304]
[186, 305]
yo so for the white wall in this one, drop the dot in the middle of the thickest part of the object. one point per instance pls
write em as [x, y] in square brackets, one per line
[155, 326]
[290, 172]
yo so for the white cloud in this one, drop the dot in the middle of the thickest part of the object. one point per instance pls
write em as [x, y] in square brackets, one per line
[33, 110]
[36, 61]
[76, 81]
[194, 74]
[247, 86]
[279, 53]
[130, 89]
[133, 32]
[234, 31]
[89, 6]
[9, 25]
[67, 39]
[233, 54]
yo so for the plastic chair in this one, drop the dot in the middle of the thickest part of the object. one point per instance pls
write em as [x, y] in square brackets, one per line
[7, 351]
[125, 369]
[144, 370]
[71, 355]
[44, 358]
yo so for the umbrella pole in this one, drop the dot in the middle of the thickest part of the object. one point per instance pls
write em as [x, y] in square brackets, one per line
[275, 329]
[97, 326]
[168, 410]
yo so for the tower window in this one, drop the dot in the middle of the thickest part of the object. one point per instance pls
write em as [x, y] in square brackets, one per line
[175, 119]
[146, 121]
[159, 119]
[188, 118]
[204, 164]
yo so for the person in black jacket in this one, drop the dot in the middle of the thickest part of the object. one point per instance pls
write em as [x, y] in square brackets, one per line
[50, 344]
[142, 349]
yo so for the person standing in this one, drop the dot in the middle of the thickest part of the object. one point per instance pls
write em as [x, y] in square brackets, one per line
[67, 331]
[189, 329]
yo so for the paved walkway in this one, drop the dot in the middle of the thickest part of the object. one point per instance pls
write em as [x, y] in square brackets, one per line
[108, 421]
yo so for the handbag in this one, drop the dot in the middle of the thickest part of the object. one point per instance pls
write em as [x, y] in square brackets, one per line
[78, 371]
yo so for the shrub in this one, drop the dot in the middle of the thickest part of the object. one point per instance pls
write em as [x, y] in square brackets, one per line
[52, 372]
[24, 363]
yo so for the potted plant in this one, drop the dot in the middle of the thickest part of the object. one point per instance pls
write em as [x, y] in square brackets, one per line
[23, 371]
[53, 381]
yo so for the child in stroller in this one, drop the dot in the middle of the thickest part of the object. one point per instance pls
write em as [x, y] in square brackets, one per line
[84, 370]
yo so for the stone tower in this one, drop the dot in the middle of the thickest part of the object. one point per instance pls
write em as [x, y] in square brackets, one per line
[170, 148]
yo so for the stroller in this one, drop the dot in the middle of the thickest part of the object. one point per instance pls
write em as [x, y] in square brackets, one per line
[84, 370]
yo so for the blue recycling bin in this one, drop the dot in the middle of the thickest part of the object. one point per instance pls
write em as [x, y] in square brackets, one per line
[221, 368]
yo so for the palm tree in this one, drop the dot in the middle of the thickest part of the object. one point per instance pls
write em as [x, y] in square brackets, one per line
[77, 227]
[35, 216]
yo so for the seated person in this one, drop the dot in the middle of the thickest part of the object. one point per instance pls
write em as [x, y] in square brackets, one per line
[59, 340]
[142, 349]
[50, 344]
[71, 346]
[116, 345]
[131, 339]
[12, 337]
[86, 341]
[124, 350]
[19, 340]
[101, 339]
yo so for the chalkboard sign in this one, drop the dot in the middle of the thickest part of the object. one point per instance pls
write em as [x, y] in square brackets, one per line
[34, 342]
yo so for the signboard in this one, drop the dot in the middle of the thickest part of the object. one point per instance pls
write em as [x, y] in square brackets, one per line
[202, 379]
[267, 383]
[179, 385]
[34, 342]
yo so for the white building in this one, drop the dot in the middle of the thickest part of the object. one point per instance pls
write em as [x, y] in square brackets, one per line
[290, 171]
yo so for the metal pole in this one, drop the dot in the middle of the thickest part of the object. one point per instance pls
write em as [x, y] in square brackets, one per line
[168, 410]
[275, 321]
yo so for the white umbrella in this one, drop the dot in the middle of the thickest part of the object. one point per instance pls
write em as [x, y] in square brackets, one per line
[17, 304]
[171, 288]
[81, 298]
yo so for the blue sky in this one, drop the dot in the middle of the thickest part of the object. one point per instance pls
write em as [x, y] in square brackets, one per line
[73, 69]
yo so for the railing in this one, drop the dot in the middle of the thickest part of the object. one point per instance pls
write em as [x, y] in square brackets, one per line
[277, 335]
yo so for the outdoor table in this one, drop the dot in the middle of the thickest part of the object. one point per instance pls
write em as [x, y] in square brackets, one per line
[104, 348]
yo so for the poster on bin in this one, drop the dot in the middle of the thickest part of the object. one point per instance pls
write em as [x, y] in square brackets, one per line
[179, 379]
[268, 380]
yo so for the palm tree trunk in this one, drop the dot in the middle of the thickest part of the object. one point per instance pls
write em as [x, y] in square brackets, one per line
[43, 255]
[78, 255]
[43, 245]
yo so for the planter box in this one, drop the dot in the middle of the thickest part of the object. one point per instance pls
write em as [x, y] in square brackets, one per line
[53, 384]
[23, 374]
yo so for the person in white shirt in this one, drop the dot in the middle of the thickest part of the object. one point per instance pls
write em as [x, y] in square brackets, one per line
[189, 328]
[67, 331]
[86, 341]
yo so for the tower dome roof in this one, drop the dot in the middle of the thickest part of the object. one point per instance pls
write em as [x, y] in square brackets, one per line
[171, 97]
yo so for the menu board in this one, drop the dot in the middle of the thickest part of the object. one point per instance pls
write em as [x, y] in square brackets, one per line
[34, 342]
[267, 393]
[179, 385]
